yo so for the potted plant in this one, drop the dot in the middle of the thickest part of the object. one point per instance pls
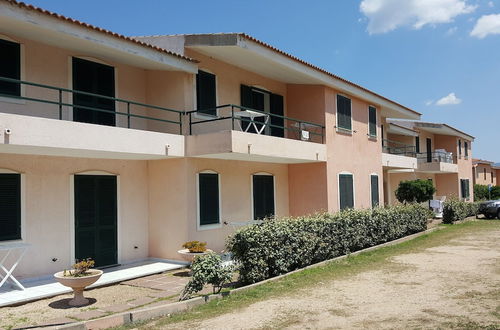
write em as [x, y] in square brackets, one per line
[78, 279]
[193, 249]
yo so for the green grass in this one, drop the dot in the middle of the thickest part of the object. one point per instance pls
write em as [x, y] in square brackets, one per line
[352, 265]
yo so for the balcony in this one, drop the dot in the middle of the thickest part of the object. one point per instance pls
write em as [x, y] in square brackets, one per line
[398, 156]
[438, 161]
[242, 133]
[46, 123]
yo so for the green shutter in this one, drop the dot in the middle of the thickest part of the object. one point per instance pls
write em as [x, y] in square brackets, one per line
[344, 112]
[10, 207]
[206, 93]
[417, 144]
[277, 109]
[374, 190]
[263, 196]
[346, 191]
[208, 198]
[372, 119]
[246, 96]
[10, 67]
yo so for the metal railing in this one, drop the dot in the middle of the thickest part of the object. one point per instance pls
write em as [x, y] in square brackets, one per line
[437, 157]
[398, 148]
[61, 104]
[257, 121]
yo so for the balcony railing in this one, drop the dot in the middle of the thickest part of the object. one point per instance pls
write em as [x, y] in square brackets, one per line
[59, 97]
[437, 156]
[255, 121]
[398, 148]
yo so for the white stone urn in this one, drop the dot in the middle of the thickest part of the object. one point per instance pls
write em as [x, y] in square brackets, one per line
[78, 284]
[189, 256]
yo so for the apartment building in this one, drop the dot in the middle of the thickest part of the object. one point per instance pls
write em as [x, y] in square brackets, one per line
[485, 172]
[431, 151]
[121, 148]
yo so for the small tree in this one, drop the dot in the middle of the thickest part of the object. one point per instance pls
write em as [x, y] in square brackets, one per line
[415, 191]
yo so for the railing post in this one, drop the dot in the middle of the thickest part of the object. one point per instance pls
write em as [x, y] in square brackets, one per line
[232, 117]
[190, 124]
[60, 104]
[322, 134]
[180, 123]
[128, 114]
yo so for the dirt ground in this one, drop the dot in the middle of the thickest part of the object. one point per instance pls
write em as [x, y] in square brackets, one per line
[456, 284]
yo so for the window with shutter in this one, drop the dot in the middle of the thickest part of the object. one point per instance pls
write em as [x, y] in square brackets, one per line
[206, 99]
[466, 149]
[459, 148]
[346, 191]
[372, 121]
[10, 67]
[344, 113]
[263, 196]
[464, 187]
[10, 206]
[208, 198]
[374, 190]
[417, 144]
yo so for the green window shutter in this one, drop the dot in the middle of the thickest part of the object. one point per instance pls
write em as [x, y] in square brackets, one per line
[372, 121]
[343, 112]
[206, 98]
[246, 96]
[263, 196]
[208, 198]
[417, 144]
[466, 149]
[10, 207]
[10, 67]
[460, 147]
[374, 190]
[277, 109]
[346, 191]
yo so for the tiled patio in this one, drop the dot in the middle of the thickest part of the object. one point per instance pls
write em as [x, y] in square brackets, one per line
[44, 288]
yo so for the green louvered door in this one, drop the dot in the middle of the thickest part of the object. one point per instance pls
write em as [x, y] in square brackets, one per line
[95, 219]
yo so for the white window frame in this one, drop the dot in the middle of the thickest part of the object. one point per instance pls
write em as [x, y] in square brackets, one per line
[23, 205]
[353, 189]
[199, 226]
[251, 193]
[338, 128]
[204, 116]
[22, 63]
[72, 212]
[373, 137]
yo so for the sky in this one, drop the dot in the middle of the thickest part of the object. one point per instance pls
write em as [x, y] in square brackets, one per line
[438, 57]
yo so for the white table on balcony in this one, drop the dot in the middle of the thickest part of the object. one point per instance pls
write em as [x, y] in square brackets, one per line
[251, 115]
[8, 248]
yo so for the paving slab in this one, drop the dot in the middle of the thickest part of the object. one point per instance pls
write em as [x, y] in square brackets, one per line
[89, 315]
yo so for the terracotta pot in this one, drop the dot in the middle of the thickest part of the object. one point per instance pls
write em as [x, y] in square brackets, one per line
[189, 256]
[78, 284]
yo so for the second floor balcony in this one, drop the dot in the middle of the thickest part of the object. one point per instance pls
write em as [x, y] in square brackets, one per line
[437, 161]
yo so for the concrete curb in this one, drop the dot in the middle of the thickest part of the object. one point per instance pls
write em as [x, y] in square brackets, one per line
[148, 313]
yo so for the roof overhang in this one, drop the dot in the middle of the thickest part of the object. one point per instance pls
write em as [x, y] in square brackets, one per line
[400, 130]
[21, 20]
[255, 56]
[442, 129]
[482, 161]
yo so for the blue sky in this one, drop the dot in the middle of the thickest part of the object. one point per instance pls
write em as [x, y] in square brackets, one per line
[416, 52]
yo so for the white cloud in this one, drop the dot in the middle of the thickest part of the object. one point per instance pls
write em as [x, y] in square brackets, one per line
[429, 102]
[388, 15]
[451, 31]
[485, 25]
[491, 4]
[449, 99]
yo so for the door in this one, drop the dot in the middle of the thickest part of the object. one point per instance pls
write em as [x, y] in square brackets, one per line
[265, 101]
[95, 78]
[429, 150]
[96, 219]
[263, 196]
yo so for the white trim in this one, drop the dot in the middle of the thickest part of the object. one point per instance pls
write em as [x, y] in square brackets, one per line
[204, 116]
[353, 189]
[200, 227]
[251, 192]
[378, 183]
[23, 204]
[338, 128]
[72, 213]
[373, 137]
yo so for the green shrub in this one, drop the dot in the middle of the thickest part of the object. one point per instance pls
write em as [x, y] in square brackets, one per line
[481, 192]
[456, 210]
[207, 269]
[415, 191]
[280, 246]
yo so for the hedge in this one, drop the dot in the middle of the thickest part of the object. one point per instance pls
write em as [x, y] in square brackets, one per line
[279, 246]
[481, 192]
[455, 210]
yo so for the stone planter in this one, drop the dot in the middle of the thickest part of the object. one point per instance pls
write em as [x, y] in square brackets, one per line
[78, 284]
[189, 256]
